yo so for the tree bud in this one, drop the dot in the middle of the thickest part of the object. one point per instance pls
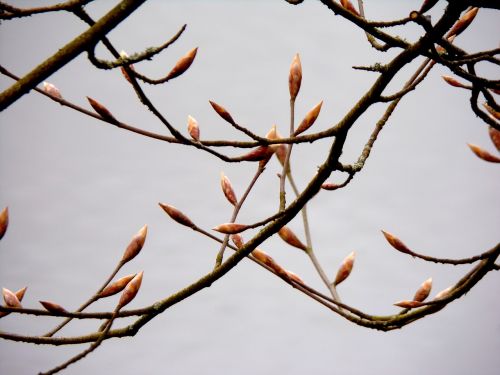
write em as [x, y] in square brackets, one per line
[117, 286]
[183, 64]
[329, 186]
[293, 276]
[290, 238]
[230, 228]
[193, 128]
[345, 269]
[483, 154]
[53, 307]
[408, 304]
[453, 82]
[463, 22]
[443, 294]
[237, 240]
[295, 77]
[495, 137]
[427, 5]
[222, 112]
[130, 290]
[227, 189]
[397, 243]
[135, 244]
[11, 299]
[4, 221]
[424, 290]
[177, 215]
[102, 111]
[492, 111]
[309, 120]
[348, 5]
[50, 89]
[259, 154]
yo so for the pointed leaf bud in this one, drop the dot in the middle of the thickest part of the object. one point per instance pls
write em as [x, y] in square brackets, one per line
[293, 276]
[492, 111]
[193, 128]
[440, 50]
[177, 215]
[309, 120]
[263, 257]
[4, 221]
[124, 55]
[230, 228]
[227, 189]
[348, 5]
[102, 110]
[183, 64]
[463, 22]
[20, 293]
[50, 89]
[453, 82]
[397, 243]
[295, 77]
[443, 294]
[329, 186]
[345, 269]
[53, 307]
[483, 154]
[222, 112]
[427, 5]
[237, 240]
[258, 154]
[11, 299]
[281, 153]
[495, 137]
[408, 304]
[130, 290]
[290, 238]
[135, 245]
[117, 286]
[424, 290]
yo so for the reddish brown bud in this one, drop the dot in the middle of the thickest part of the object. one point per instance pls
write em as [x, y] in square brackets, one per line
[442, 50]
[263, 257]
[117, 286]
[135, 244]
[290, 238]
[309, 120]
[130, 290]
[20, 293]
[408, 304]
[348, 5]
[345, 269]
[463, 22]
[50, 89]
[4, 221]
[483, 154]
[176, 215]
[281, 151]
[453, 82]
[102, 110]
[227, 189]
[329, 186]
[295, 77]
[397, 243]
[11, 299]
[492, 111]
[258, 154]
[124, 55]
[424, 290]
[193, 128]
[237, 240]
[443, 294]
[230, 228]
[183, 64]
[427, 5]
[293, 276]
[495, 137]
[53, 307]
[222, 112]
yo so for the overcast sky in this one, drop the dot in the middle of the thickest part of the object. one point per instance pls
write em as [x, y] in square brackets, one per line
[78, 189]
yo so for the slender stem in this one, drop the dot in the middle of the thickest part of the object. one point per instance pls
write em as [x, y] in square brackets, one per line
[286, 164]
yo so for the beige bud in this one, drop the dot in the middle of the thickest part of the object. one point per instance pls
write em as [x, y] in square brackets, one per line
[329, 186]
[222, 112]
[53, 307]
[237, 240]
[230, 228]
[227, 189]
[495, 137]
[130, 290]
[290, 238]
[177, 215]
[20, 293]
[102, 110]
[408, 304]
[183, 64]
[135, 245]
[309, 120]
[50, 89]
[443, 294]
[293, 276]
[348, 5]
[116, 286]
[11, 299]
[193, 128]
[423, 291]
[397, 243]
[463, 22]
[492, 111]
[345, 269]
[453, 82]
[483, 154]
[4, 221]
[295, 77]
